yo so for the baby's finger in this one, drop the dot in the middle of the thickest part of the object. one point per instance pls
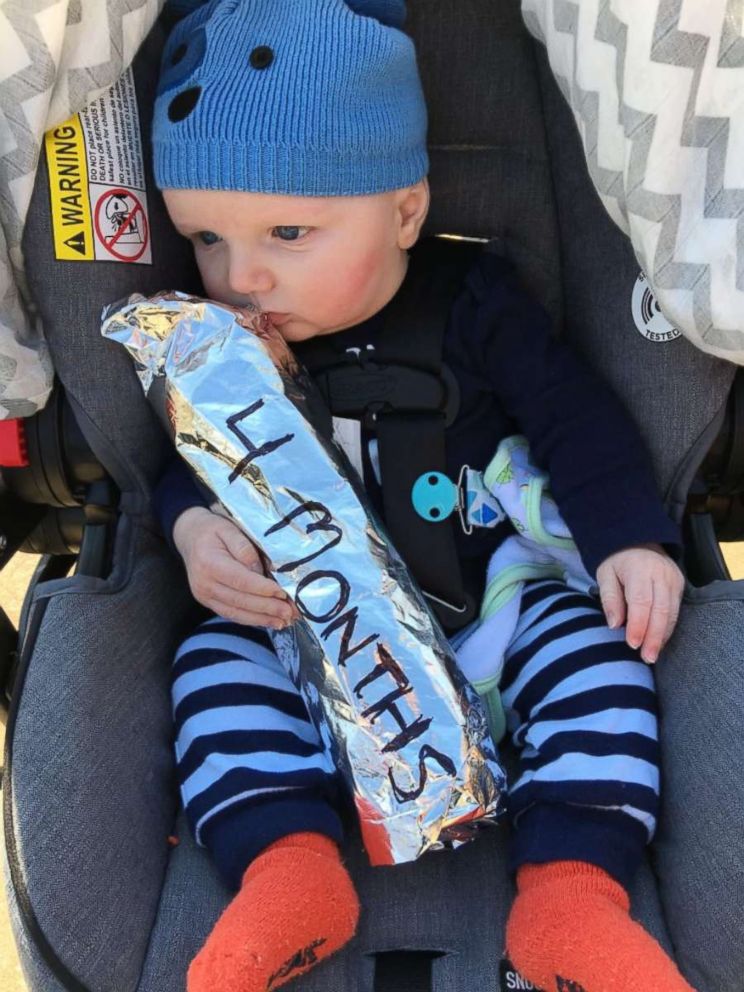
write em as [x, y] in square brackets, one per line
[677, 587]
[611, 596]
[673, 617]
[268, 606]
[245, 617]
[231, 573]
[639, 598]
[658, 623]
[241, 548]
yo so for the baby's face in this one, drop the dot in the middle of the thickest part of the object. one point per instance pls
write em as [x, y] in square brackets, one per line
[315, 264]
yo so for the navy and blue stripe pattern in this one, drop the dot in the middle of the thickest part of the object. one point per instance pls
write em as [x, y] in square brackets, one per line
[581, 709]
[245, 742]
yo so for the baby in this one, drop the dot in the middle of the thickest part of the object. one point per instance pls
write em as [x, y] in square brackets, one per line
[290, 145]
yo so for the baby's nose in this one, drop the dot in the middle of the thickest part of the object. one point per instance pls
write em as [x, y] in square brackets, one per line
[248, 278]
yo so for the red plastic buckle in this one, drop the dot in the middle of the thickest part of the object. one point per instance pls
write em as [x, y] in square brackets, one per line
[13, 447]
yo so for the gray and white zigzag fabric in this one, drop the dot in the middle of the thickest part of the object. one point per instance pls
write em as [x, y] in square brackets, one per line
[657, 90]
[55, 57]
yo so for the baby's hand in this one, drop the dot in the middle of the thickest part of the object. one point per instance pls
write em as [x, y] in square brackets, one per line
[225, 571]
[647, 580]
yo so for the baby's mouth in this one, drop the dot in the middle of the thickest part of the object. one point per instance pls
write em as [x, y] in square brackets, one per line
[277, 319]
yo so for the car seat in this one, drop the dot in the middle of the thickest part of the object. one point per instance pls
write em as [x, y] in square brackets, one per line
[107, 890]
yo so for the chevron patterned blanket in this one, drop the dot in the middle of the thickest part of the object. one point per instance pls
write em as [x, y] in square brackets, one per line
[55, 57]
[657, 91]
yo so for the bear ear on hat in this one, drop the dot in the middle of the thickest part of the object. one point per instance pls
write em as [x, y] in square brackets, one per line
[389, 12]
[183, 55]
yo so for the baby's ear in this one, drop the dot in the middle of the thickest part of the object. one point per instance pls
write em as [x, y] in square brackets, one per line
[412, 206]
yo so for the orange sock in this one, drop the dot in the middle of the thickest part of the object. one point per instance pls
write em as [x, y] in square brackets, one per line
[296, 906]
[569, 930]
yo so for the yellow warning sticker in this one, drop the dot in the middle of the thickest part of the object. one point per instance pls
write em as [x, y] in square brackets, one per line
[97, 181]
[68, 187]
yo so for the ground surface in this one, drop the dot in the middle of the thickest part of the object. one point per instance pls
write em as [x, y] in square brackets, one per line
[13, 582]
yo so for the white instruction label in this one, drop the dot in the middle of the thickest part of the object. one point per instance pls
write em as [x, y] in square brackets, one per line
[97, 181]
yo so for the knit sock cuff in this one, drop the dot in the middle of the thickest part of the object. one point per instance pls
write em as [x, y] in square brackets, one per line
[609, 839]
[236, 837]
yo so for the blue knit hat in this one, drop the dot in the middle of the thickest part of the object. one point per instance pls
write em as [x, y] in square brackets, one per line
[302, 97]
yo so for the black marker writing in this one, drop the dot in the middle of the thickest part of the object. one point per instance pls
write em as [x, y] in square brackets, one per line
[348, 622]
[344, 590]
[250, 447]
[445, 763]
[325, 523]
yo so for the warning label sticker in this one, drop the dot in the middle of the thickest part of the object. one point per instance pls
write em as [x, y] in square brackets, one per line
[97, 181]
[120, 223]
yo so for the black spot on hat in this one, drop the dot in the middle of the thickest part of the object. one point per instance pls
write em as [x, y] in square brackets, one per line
[261, 57]
[181, 106]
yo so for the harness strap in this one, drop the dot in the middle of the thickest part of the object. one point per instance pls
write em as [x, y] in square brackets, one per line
[401, 390]
[411, 444]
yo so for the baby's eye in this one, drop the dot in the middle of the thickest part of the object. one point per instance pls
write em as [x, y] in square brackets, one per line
[208, 237]
[285, 233]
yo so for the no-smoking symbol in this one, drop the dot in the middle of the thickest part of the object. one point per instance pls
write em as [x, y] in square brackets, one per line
[121, 224]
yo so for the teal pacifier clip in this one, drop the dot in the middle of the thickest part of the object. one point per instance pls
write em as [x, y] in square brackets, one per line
[435, 497]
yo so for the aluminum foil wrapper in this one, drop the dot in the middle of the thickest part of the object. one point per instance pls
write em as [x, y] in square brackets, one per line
[373, 665]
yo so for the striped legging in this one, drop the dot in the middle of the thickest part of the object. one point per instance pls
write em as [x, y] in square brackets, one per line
[580, 709]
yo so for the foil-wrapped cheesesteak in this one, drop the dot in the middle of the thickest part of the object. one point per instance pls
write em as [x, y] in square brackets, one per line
[374, 668]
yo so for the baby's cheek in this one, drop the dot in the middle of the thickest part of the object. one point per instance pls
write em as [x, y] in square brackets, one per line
[367, 267]
[361, 278]
[216, 287]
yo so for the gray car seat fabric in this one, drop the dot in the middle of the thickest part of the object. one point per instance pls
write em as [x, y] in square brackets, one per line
[698, 849]
[91, 798]
[90, 802]
[490, 172]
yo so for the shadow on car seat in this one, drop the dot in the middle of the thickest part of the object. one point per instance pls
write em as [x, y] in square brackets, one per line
[101, 899]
